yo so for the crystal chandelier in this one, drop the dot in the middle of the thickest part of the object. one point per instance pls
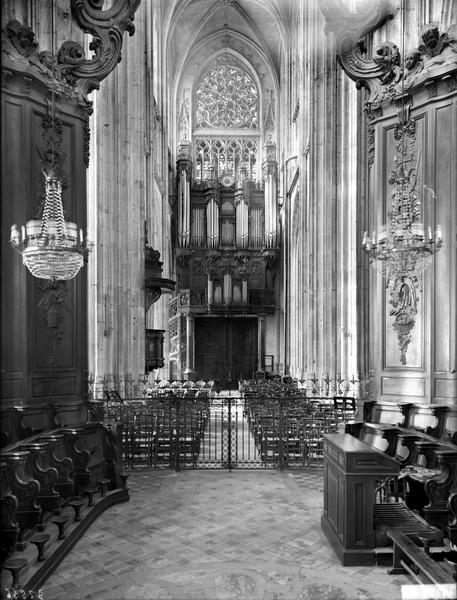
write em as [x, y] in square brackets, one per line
[51, 248]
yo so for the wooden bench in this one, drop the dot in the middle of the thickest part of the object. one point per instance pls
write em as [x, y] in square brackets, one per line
[21, 422]
[409, 558]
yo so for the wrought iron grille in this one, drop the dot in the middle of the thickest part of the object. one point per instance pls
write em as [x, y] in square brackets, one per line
[226, 432]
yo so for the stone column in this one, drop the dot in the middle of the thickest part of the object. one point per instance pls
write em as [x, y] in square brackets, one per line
[261, 343]
[189, 372]
[270, 169]
[116, 216]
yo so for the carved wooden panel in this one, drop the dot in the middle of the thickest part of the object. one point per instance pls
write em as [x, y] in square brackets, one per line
[445, 280]
[44, 347]
[430, 370]
[14, 324]
[403, 386]
[415, 355]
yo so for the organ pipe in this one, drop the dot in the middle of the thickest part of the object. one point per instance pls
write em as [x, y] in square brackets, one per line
[270, 174]
[242, 223]
[184, 168]
[198, 227]
[212, 224]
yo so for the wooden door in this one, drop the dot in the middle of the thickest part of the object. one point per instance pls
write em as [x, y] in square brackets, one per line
[225, 349]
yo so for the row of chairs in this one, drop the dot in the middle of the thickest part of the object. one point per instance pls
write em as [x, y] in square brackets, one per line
[292, 431]
[161, 435]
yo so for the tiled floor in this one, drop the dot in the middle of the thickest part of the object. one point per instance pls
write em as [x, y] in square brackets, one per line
[214, 535]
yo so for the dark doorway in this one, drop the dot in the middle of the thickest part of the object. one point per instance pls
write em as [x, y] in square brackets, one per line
[225, 349]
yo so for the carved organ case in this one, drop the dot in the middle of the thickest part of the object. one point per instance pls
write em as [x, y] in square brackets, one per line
[226, 203]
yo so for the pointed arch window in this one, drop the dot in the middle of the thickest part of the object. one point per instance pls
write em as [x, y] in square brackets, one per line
[226, 120]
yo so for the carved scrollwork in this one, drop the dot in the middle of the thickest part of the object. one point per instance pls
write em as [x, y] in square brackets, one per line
[74, 72]
[349, 29]
[107, 28]
[438, 488]
[71, 53]
[382, 73]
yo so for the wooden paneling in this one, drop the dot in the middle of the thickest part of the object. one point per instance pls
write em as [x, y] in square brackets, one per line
[444, 273]
[14, 189]
[44, 351]
[53, 386]
[391, 351]
[430, 371]
[403, 386]
[445, 388]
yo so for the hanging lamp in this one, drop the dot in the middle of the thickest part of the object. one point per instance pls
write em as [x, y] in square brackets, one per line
[51, 247]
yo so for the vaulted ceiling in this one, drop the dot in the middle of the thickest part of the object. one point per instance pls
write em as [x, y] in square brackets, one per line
[262, 23]
[254, 32]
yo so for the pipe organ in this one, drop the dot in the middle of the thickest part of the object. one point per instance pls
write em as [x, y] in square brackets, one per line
[226, 249]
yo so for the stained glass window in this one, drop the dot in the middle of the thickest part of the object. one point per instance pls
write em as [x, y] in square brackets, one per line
[226, 97]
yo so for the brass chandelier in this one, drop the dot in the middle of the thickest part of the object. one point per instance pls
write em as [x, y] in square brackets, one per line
[403, 248]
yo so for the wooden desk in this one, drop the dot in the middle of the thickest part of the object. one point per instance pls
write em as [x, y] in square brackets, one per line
[352, 470]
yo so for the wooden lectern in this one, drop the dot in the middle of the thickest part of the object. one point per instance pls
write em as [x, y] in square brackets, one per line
[352, 471]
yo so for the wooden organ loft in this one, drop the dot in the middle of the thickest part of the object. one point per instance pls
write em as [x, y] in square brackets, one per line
[226, 255]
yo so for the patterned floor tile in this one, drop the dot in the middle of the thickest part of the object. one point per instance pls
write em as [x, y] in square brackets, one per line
[213, 535]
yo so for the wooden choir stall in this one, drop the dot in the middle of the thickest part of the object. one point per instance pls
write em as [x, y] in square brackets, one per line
[390, 481]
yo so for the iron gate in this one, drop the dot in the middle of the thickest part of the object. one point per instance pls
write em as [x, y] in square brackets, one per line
[219, 433]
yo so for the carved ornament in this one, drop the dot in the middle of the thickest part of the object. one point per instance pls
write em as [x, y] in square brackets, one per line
[76, 76]
[382, 73]
[107, 28]
[349, 28]
[51, 307]
[404, 299]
